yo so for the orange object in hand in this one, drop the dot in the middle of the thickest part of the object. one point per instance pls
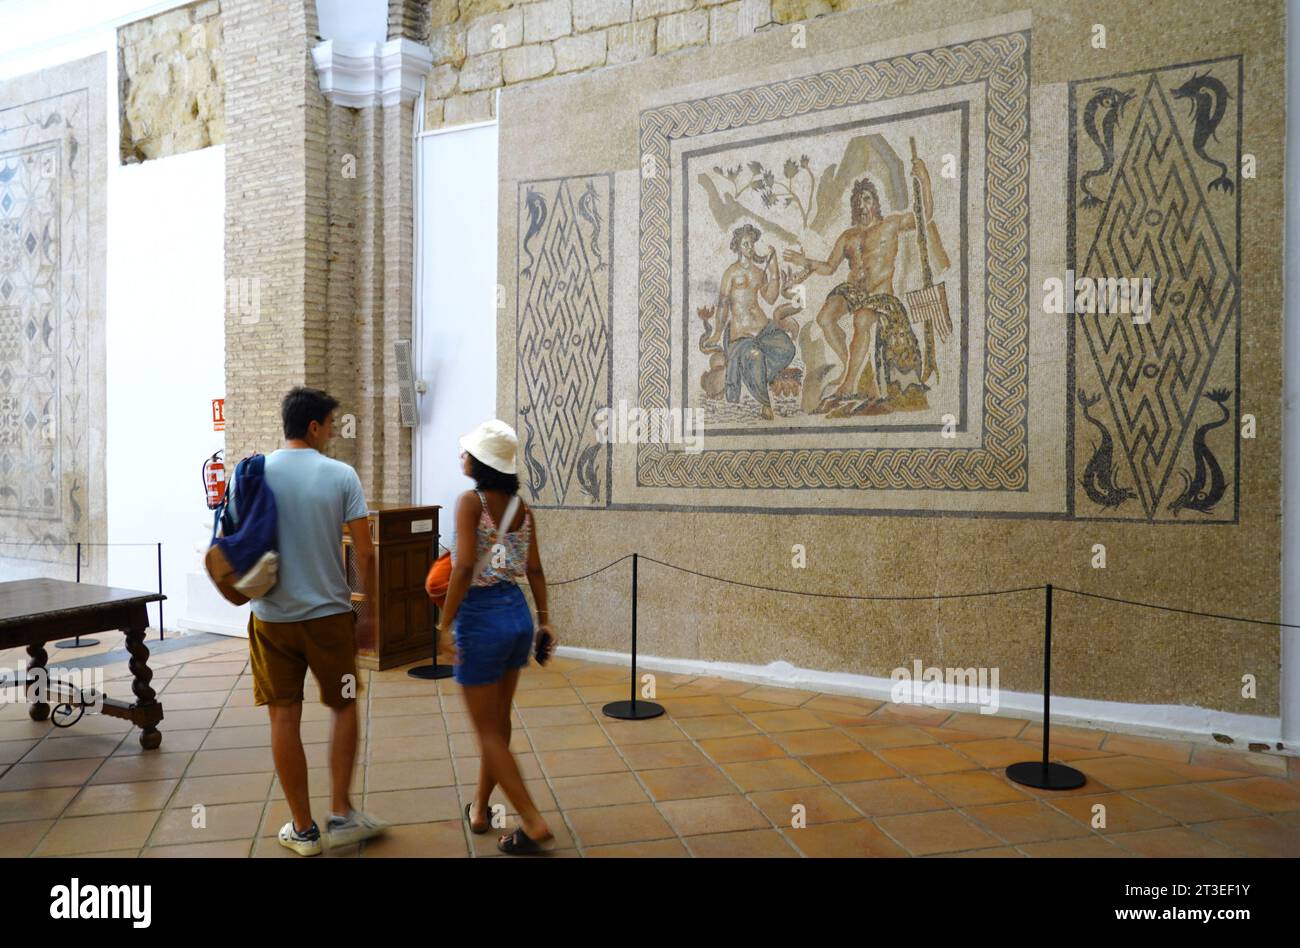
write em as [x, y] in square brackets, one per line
[439, 579]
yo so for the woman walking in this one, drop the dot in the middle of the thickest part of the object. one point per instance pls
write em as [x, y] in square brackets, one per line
[493, 628]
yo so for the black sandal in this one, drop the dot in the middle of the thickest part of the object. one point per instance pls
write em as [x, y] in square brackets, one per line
[520, 843]
[470, 821]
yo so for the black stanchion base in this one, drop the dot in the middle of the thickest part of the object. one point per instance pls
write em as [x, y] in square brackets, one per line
[633, 711]
[430, 672]
[73, 643]
[1035, 773]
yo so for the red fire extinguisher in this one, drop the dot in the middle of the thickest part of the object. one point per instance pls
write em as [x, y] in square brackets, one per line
[214, 480]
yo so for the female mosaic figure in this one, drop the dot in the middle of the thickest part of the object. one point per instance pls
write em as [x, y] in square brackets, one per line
[755, 346]
[493, 627]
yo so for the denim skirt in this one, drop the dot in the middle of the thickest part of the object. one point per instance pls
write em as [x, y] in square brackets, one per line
[494, 633]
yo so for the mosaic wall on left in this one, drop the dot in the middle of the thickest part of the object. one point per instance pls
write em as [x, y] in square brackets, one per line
[52, 314]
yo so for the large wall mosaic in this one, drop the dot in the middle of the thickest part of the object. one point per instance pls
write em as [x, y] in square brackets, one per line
[52, 311]
[915, 300]
[838, 277]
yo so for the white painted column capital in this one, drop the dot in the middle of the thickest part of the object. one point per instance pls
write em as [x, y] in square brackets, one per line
[360, 75]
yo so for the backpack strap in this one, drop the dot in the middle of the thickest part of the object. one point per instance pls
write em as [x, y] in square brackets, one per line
[507, 518]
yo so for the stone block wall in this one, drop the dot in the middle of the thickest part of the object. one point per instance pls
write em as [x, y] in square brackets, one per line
[480, 46]
[171, 80]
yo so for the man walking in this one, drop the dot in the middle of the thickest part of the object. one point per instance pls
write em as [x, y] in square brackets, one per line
[306, 620]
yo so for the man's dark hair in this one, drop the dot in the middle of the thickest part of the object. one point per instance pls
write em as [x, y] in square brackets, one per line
[301, 407]
[489, 478]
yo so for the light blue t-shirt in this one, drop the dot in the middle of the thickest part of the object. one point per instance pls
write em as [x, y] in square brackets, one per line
[314, 496]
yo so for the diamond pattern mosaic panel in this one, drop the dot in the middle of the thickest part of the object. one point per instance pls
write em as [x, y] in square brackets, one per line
[29, 336]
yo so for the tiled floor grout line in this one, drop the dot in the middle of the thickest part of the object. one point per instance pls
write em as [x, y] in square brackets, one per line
[873, 820]
[1029, 798]
[582, 702]
[953, 806]
[644, 789]
[270, 787]
[180, 780]
[55, 822]
[451, 761]
[537, 756]
[1196, 828]
[1199, 829]
[914, 778]
[362, 757]
[781, 830]
[128, 733]
[718, 766]
[953, 747]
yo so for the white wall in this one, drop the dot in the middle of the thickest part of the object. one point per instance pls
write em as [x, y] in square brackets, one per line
[353, 21]
[164, 320]
[166, 362]
[456, 322]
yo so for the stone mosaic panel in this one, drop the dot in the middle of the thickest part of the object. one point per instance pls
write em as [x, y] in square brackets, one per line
[51, 311]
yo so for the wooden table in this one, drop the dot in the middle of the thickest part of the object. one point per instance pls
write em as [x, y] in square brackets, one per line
[36, 611]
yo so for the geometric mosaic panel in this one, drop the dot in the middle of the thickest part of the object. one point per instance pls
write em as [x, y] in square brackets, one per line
[563, 377]
[52, 312]
[29, 331]
[1155, 197]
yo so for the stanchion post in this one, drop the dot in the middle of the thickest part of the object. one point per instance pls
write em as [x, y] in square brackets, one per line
[1043, 774]
[76, 642]
[633, 710]
[634, 558]
[1047, 672]
[432, 671]
[162, 631]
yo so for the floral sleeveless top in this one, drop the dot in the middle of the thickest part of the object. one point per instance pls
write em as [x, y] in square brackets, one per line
[511, 560]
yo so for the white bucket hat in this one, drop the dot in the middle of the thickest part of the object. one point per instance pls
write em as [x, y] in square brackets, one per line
[494, 443]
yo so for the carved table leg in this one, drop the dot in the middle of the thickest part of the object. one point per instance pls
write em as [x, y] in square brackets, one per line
[146, 703]
[39, 710]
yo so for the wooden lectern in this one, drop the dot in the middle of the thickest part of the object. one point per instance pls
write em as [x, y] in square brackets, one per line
[406, 543]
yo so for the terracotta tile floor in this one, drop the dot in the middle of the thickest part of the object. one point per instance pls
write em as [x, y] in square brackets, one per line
[724, 773]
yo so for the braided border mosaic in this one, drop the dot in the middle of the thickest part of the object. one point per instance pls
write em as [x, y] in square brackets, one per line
[1001, 462]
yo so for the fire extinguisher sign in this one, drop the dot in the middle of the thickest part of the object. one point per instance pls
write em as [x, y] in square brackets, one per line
[218, 414]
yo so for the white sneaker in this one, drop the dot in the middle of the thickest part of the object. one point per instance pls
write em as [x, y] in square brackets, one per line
[304, 844]
[358, 826]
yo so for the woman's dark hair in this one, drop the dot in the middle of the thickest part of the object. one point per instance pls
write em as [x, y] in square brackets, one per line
[489, 478]
[740, 233]
[301, 407]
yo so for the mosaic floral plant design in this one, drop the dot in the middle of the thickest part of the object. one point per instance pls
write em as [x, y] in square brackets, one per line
[771, 192]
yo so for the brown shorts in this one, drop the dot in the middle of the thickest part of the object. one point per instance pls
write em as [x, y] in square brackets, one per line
[281, 653]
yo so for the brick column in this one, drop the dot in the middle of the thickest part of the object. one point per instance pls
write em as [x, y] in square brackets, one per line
[270, 342]
[319, 238]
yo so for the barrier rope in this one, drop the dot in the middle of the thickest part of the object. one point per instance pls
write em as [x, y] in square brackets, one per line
[602, 569]
[823, 595]
[43, 543]
[964, 595]
[801, 592]
[1190, 612]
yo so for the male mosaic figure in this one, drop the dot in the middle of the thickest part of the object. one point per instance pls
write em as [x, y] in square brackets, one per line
[306, 620]
[870, 247]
